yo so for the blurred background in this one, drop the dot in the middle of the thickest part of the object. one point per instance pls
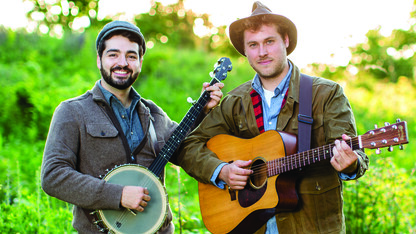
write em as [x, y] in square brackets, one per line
[47, 55]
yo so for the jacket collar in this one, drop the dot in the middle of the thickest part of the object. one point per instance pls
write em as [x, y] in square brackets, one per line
[97, 95]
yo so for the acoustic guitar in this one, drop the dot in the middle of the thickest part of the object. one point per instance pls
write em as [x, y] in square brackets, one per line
[273, 155]
[154, 215]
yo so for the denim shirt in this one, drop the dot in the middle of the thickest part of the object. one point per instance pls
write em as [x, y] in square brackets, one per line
[127, 117]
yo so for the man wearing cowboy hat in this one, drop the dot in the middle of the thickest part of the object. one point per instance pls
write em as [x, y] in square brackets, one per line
[270, 101]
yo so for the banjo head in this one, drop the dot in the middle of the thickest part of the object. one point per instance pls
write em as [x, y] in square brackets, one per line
[126, 221]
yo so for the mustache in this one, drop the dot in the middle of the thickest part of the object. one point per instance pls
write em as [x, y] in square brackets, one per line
[125, 68]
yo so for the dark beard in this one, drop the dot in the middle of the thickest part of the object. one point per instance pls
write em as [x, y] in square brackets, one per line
[119, 85]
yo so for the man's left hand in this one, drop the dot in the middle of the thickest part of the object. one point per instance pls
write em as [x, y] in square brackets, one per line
[215, 95]
[345, 159]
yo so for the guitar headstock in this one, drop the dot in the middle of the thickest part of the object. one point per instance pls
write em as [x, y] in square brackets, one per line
[387, 136]
[221, 68]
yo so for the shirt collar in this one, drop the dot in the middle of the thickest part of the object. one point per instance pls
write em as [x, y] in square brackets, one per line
[109, 96]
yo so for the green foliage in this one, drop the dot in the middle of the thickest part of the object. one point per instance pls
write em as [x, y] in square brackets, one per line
[386, 57]
[36, 76]
[376, 203]
[62, 13]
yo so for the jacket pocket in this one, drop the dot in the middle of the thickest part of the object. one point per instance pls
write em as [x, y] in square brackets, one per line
[321, 203]
[102, 130]
[319, 183]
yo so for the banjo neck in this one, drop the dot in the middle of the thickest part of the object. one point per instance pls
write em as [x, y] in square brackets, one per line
[220, 73]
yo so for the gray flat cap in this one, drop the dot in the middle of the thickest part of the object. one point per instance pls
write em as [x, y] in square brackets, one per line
[120, 25]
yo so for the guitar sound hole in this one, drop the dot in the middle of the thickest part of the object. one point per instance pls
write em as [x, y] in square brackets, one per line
[256, 187]
[259, 176]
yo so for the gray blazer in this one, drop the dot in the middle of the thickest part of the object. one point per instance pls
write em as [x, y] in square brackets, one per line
[83, 143]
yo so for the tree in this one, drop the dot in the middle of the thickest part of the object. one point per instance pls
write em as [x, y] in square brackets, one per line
[60, 15]
[171, 24]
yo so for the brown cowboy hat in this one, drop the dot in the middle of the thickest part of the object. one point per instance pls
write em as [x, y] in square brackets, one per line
[236, 34]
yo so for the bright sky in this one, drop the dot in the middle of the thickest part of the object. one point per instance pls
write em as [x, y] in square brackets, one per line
[326, 28]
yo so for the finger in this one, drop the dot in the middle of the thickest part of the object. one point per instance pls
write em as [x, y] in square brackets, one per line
[205, 85]
[216, 96]
[146, 198]
[143, 204]
[345, 146]
[145, 191]
[215, 87]
[335, 164]
[241, 163]
[345, 137]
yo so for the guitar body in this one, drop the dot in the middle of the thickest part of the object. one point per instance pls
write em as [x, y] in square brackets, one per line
[127, 221]
[258, 201]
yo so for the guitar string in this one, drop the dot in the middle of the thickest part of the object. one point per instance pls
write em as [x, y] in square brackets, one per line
[291, 162]
[124, 214]
[284, 164]
[159, 164]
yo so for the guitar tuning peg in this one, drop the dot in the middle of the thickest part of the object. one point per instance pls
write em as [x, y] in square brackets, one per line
[390, 149]
[398, 120]
[401, 147]
[375, 126]
[190, 100]
[378, 151]
[386, 123]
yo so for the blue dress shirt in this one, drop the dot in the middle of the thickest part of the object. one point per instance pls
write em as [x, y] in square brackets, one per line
[127, 117]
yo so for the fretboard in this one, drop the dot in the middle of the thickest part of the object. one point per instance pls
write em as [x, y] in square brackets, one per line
[180, 132]
[302, 159]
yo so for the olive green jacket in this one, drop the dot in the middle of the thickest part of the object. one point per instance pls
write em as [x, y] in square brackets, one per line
[319, 187]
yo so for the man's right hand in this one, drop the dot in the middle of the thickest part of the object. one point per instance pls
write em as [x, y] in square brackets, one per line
[234, 174]
[135, 198]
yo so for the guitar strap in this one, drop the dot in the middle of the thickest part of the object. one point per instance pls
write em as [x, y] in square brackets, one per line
[153, 136]
[305, 119]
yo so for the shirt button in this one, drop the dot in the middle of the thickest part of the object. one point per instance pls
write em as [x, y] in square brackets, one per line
[270, 123]
[123, 116]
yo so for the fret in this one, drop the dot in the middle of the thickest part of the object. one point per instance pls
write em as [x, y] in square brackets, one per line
[293, 165]
[279, 165]
[304, 160]
[287, 164]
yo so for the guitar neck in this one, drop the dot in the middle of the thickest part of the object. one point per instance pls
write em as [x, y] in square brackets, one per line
[180, 132]
[305, 158]
[387, 136]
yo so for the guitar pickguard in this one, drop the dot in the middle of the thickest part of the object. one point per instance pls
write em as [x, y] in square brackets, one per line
[249, 195]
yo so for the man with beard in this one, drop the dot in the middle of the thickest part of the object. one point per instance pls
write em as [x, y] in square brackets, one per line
[105, 127]
[270, 101]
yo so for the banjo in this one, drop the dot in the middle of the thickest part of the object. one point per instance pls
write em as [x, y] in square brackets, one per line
[151, 219]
